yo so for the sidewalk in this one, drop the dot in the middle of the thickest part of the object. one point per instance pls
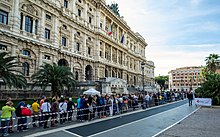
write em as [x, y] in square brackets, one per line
[203, 123]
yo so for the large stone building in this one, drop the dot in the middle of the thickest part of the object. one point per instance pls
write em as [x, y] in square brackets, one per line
[184, 79]
[75, 33]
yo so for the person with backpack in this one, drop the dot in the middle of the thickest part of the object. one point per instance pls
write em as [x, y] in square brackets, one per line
[22, 120]
[5, 117]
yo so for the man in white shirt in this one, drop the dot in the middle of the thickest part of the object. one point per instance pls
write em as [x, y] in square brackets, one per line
[147, 100]
[63, 110]
[46, 109]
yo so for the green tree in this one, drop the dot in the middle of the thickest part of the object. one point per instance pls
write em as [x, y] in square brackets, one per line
[210, 88]
[212, 62]
[161, 80]
[59, 77]
[9, 72]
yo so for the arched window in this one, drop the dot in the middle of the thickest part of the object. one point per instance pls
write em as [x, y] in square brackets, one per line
[26, 53]
[26, 68]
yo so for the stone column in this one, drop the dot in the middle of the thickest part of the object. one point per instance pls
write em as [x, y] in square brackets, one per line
[117, 56]
[42, 26]
[103, 50]
[117, 34]
[23, 23]
[98, 49]
[56, 32]
[85, 12]
[104, 22]
[98, 18]
[72, 40]
[33, 26]
[111, 53]
[16, 17]
[74, 6]
[40, 59]
[13, 50]
[84, 45]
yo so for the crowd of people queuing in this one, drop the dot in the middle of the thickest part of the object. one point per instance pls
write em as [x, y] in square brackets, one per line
[86, 108]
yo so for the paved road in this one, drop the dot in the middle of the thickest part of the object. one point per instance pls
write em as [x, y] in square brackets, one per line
[141, 123]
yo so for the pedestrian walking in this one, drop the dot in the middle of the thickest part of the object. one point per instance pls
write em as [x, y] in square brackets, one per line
[190, 97]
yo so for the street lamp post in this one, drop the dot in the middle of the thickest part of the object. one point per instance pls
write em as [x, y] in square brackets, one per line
[142, 67]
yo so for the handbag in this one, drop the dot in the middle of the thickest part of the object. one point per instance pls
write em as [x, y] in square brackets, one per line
[26, 112]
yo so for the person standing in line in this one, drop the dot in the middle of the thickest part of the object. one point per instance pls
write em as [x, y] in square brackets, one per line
[5, 117]
[110, 103]
[79, 112]
[41, 116]
[70, 108]
[63, 109]
[22, 120]
[11, 120]
[46, 109]
[147, 100]
[55, 110]
[190, 97]
[35, 106]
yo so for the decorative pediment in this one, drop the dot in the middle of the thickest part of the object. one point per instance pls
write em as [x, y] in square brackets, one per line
[29, 8]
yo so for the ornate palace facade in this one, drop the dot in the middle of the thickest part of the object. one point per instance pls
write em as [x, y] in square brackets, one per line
[75, 33]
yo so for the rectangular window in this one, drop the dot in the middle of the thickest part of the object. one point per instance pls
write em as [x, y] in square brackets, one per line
[26, 53]
[100, 53]
[79, 12]
[28, 24]
[65, 4]
[89, 50]
[63, 41]
[47, 34]
[90, 20]
[35, 27]
[21, 21]
[3, 17]
[78, 46]
[48, 17]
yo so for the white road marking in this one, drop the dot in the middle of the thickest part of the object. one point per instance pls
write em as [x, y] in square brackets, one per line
[95, 121]
[71, 133]
[175, 123]
[135, 121]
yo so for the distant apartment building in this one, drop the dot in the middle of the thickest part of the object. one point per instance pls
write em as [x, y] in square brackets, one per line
[185, 78]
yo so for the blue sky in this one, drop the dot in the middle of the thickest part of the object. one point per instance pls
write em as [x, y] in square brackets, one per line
[178, 32]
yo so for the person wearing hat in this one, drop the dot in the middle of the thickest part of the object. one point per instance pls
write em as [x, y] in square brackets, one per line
[5, 117]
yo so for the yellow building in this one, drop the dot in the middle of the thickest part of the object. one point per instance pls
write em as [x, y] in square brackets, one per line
[75, 33]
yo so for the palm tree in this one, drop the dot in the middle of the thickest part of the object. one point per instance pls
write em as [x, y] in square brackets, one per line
[9, 73]
[212, 62]
[58, 76]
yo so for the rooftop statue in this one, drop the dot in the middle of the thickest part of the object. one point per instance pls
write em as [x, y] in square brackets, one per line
[114, 7]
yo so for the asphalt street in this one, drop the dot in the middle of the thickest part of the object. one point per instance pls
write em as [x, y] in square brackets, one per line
[142, 123]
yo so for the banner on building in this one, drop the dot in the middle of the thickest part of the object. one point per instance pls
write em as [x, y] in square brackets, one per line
[203, 101]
